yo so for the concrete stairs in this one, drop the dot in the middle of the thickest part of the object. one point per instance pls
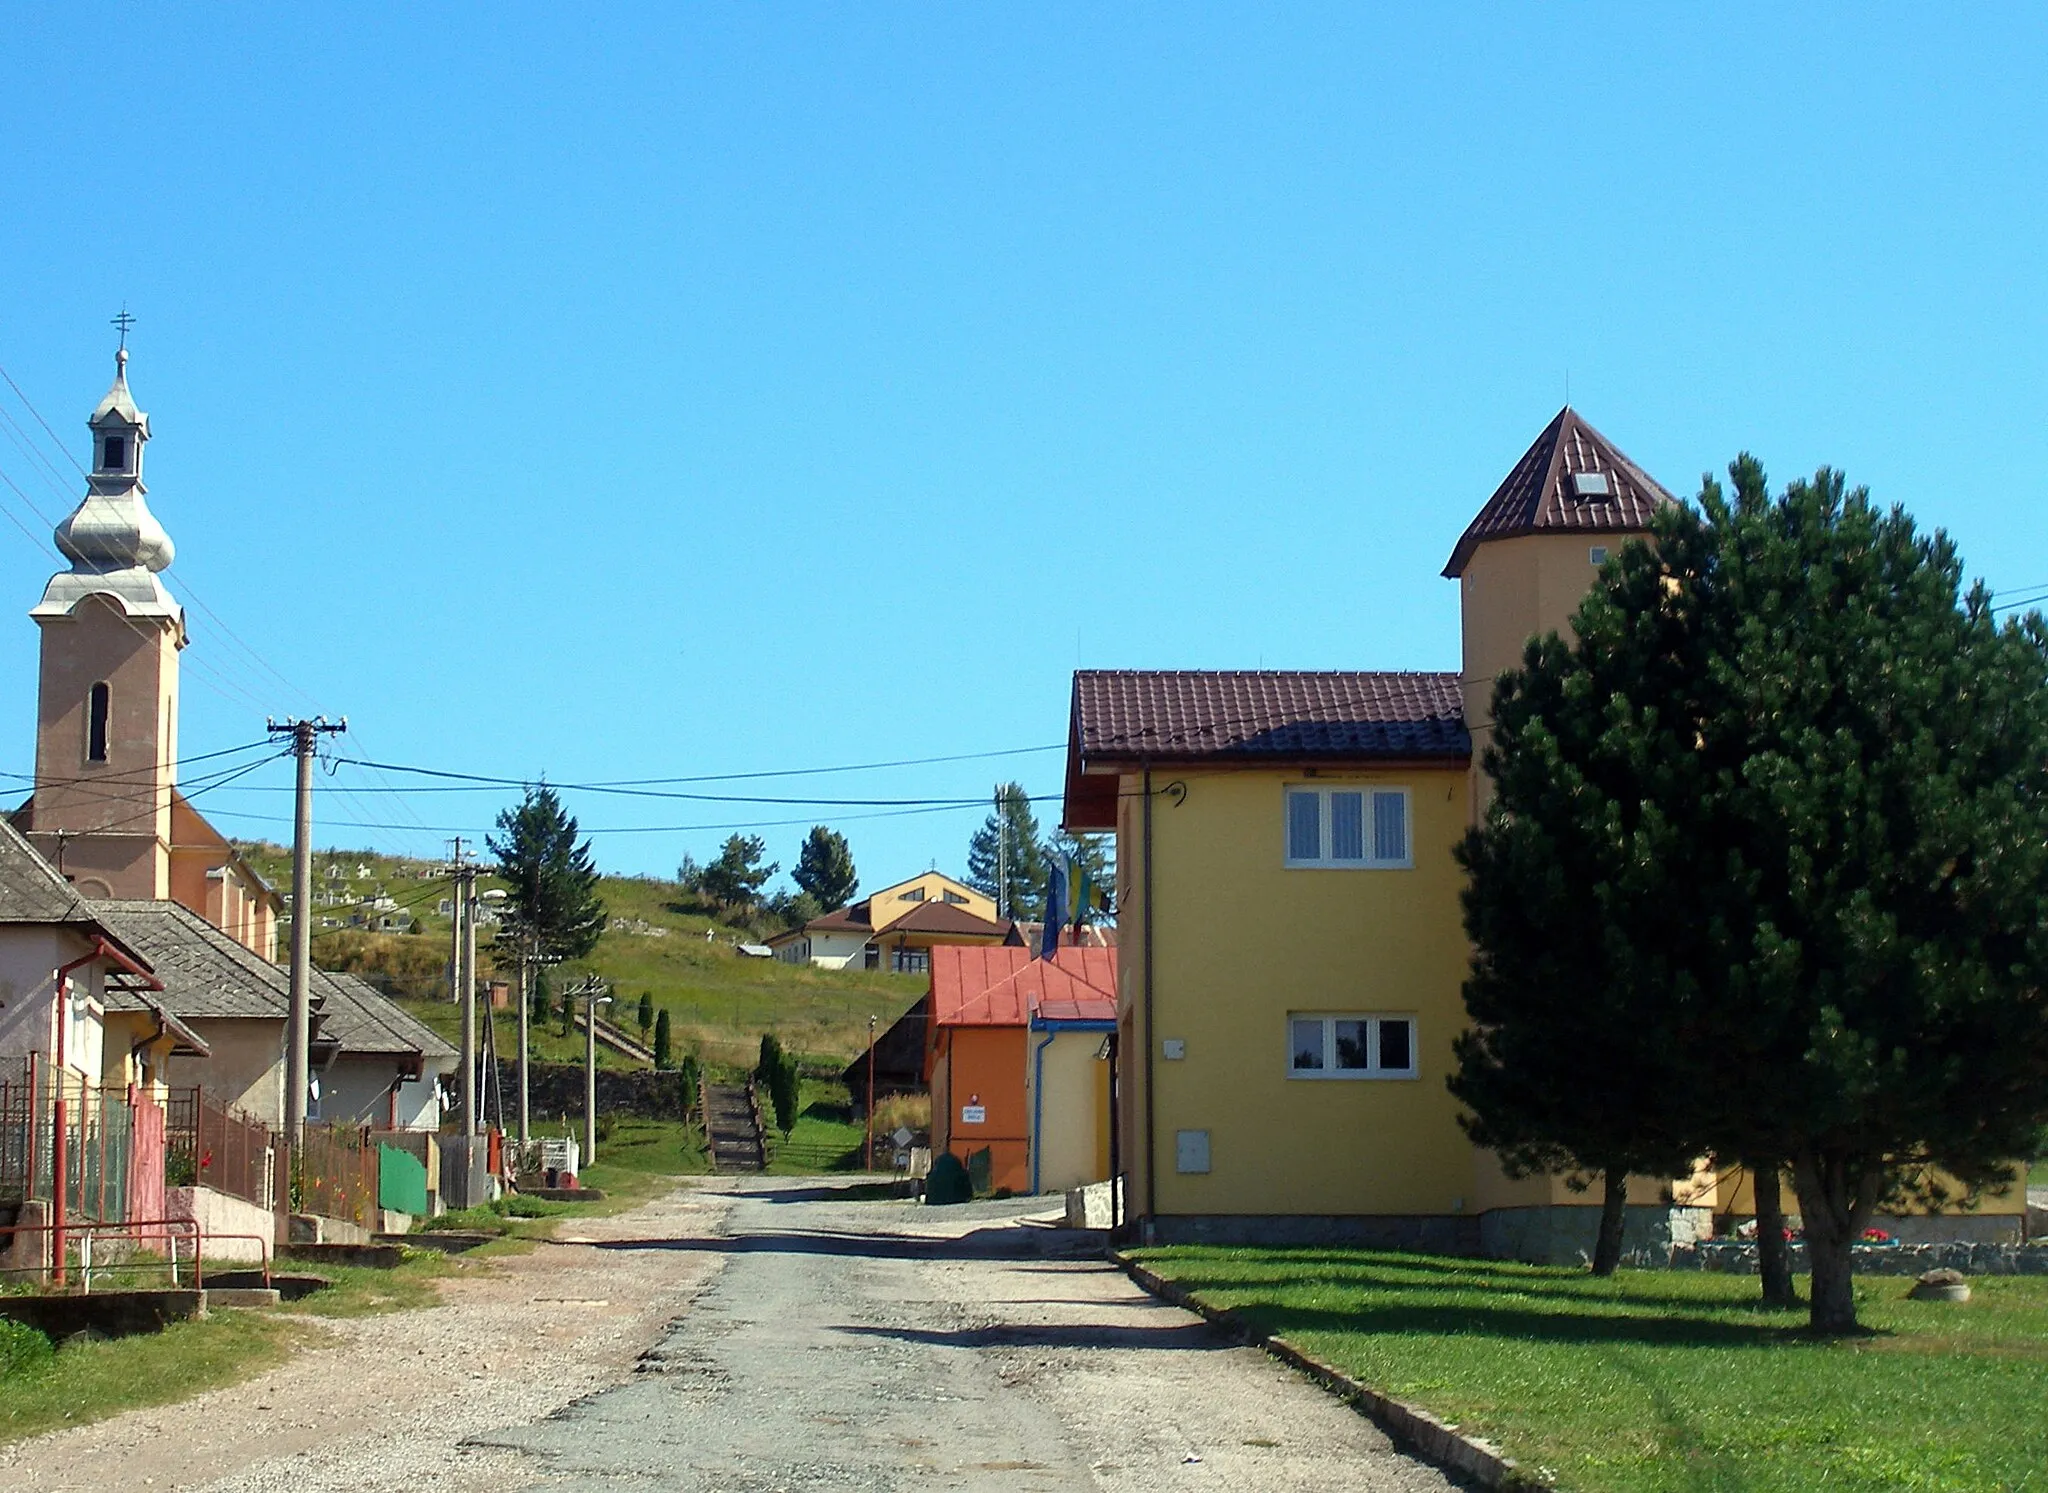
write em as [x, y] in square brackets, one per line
[736, 1143]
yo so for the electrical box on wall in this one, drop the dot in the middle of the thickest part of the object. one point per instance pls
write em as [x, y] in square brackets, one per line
[1191, 1150]
[1173, 1049]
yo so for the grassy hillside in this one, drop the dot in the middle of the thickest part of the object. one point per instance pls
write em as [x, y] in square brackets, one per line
[719, 1002]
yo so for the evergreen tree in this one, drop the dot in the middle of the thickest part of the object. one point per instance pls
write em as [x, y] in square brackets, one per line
[735, 879]
[824, 868]
[543, 998]
[644, 1014]
[1006, 858]
[663, 1050]
[1785, 802]
[551, 880]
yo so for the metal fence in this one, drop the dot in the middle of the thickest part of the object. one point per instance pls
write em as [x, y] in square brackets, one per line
[99, 1125]
[210, 1144]
[335, 1174]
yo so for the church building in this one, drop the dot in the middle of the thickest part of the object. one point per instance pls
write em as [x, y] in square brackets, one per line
[106, 810]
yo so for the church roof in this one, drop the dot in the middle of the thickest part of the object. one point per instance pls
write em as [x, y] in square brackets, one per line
[1543, 494]
[118, 407]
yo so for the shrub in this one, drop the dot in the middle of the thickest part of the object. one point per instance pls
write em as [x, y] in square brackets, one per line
[23, 1350]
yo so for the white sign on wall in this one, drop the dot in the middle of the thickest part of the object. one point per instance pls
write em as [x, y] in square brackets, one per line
[974, 1114]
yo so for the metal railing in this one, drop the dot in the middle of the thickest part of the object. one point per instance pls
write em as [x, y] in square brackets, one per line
[91, 1261]
[210, 1144]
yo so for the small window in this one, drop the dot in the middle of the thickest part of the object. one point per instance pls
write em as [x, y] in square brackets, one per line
[912, 961]
[1597, 554]
[1348, 828]
[99, 707]
[1351, 1046]
[116, 458]
[915, 894]
[954, 897]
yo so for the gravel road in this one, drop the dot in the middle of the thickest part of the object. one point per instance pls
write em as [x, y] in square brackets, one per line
[760, 1334]
[885, 1346]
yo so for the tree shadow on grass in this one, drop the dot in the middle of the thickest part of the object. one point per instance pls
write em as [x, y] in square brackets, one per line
[1528, 1326]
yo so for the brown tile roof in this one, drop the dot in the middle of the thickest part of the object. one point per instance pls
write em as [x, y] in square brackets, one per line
[852, 919]
[1125, 715]
[1539, 497]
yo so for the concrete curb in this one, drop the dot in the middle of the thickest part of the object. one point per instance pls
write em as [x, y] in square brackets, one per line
[1412, 1428]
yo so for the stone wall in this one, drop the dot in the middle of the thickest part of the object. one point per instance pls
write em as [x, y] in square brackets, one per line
[1566, 1235]
[1738, 1257]
[555, 1090]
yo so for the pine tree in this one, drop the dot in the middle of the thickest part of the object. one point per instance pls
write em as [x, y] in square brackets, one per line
[663, 1049]
[1006, 858]
[824, 869]
[644, 1014]
[1785, 802]
[735, 879]
[551, 880]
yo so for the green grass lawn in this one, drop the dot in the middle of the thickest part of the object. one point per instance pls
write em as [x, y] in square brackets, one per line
[825, 1138]
[1667, 1380]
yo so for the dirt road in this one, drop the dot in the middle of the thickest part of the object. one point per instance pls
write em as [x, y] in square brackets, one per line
[810, 1343]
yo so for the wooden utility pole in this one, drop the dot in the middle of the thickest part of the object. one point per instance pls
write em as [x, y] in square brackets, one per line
[305, 737]
[871, 1093]
[590, 990]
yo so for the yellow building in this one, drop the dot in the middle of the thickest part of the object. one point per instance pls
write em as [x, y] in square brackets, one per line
[896, 928]
[1291, 947]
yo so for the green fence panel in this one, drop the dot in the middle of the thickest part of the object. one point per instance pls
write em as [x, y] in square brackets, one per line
[401, 1181]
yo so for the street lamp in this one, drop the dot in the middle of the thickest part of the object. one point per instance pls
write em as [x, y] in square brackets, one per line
[592, 1000]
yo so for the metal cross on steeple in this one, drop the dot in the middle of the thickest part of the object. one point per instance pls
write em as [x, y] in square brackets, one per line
[124, 321]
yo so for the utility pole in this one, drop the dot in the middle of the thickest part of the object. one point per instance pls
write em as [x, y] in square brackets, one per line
[1002, 858]
[589, 988]
[305, 737]
[462, 977]
[530, 958]
[871, 1093]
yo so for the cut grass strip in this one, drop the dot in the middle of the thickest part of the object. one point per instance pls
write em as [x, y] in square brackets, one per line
[1666, 1380]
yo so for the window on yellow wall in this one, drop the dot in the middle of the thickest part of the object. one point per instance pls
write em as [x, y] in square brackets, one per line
[1350, 1045]
[1354, 829]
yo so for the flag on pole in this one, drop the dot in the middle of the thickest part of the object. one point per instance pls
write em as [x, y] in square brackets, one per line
[1055, 905]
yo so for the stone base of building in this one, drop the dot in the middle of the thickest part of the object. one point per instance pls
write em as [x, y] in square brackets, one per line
[1421, 1233]
[1564, 1234]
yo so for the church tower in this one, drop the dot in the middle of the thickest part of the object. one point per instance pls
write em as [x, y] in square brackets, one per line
[1527, 559]
[107, 717]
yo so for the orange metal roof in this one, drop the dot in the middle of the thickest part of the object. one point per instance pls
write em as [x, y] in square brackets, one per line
[1002, 985]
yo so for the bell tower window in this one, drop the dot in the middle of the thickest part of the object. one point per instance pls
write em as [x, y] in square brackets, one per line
[116, 459]
[98, 708]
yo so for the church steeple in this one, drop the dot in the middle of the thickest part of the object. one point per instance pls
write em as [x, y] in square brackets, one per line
[107, 712]
[114, 543]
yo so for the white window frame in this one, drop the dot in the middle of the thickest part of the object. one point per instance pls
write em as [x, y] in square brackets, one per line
[1373, 1021]
[1324, 860]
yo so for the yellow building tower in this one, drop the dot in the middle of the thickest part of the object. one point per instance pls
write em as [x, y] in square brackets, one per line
[1526, 560]
[107, 717]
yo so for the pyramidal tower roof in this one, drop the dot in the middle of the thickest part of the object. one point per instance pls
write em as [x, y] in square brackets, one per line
[1571, 480]
[114, 543]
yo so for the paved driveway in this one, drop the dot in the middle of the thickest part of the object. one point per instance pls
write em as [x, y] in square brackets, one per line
[863, 1345]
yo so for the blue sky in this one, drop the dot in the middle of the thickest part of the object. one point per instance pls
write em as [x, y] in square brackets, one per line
[692, 390]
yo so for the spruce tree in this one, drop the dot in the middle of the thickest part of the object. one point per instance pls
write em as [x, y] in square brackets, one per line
[1006, 858]
[824, 869]
[551, 880]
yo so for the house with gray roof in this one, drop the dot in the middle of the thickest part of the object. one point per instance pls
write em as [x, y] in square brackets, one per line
[375, 1064]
